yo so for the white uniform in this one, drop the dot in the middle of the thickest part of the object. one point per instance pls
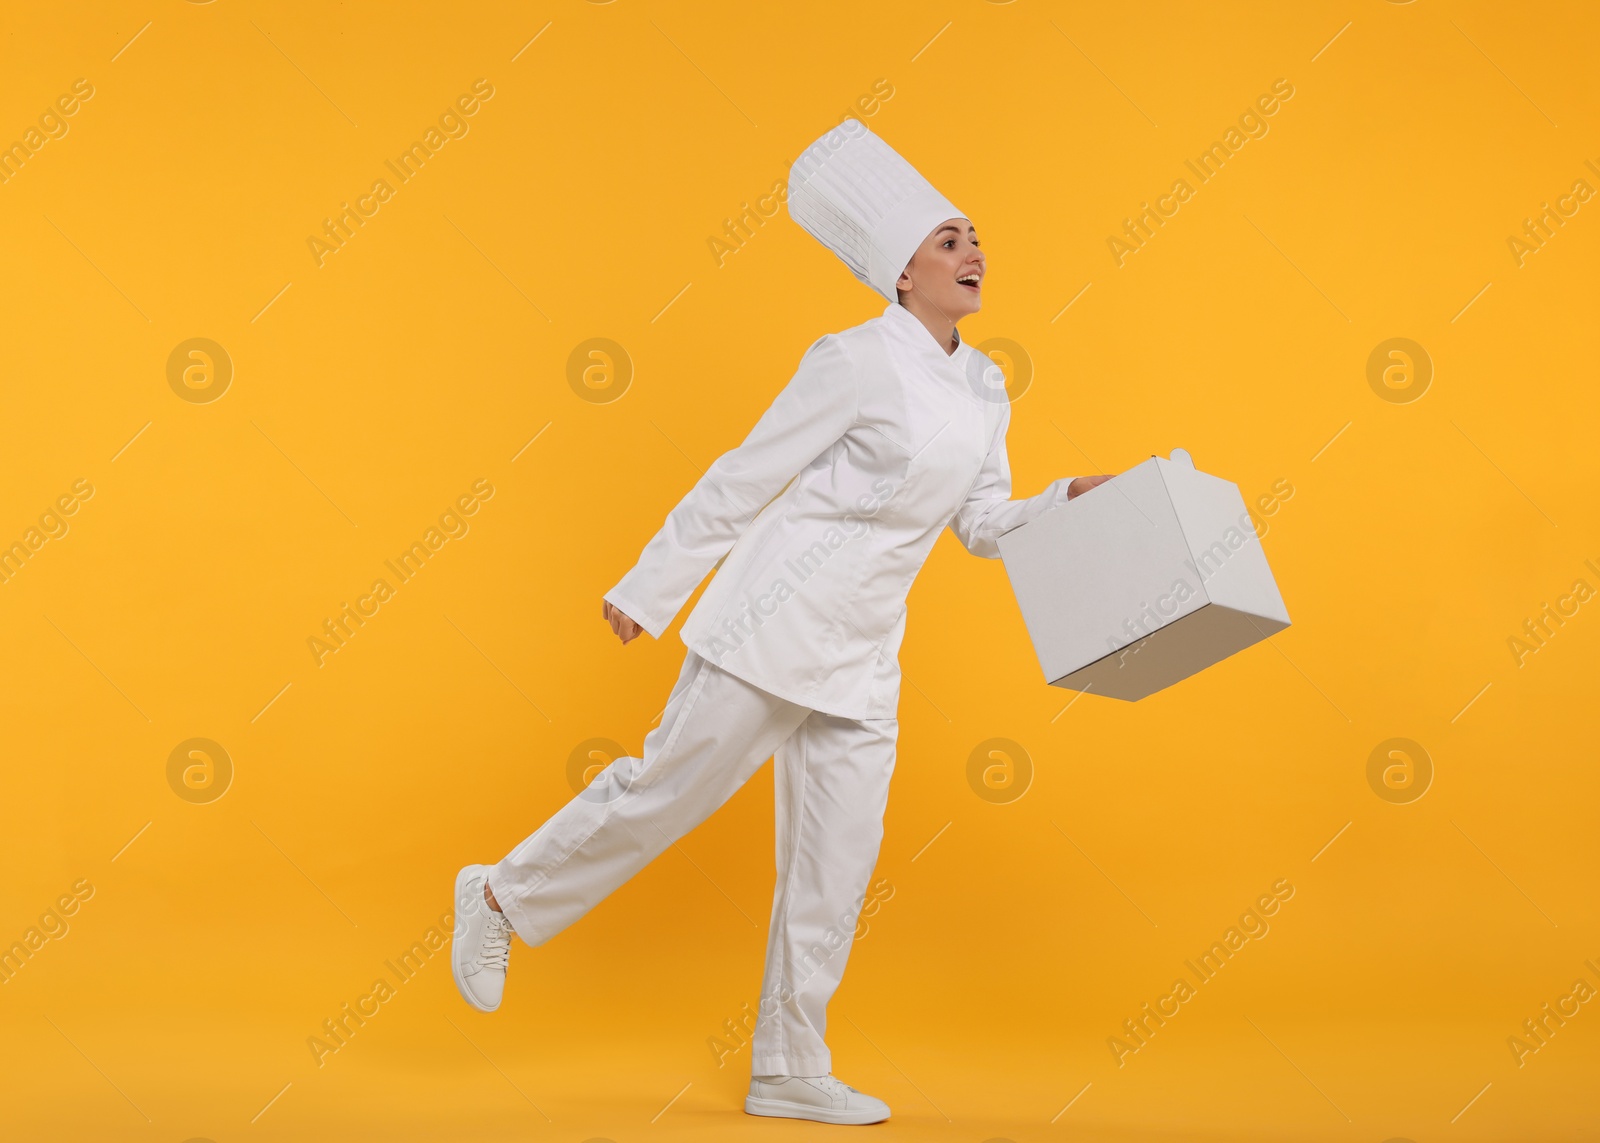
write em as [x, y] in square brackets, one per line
[793, 649]
[893, 439]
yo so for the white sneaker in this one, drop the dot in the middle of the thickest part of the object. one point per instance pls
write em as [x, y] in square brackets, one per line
[821, 1098]
[480, 948]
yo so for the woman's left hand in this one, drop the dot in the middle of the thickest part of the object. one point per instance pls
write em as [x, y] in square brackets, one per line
[1081, 485]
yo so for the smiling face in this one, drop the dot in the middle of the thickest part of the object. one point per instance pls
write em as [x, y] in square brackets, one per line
[946, 272]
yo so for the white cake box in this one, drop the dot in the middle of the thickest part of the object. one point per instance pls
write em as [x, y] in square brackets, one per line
[1142, 581]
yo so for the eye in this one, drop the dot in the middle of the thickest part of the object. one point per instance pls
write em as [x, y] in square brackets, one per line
[948, 242]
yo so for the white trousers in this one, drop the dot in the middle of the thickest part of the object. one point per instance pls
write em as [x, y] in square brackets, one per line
[832, 783]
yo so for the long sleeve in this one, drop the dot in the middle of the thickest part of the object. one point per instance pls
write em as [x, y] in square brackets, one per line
[811, 412]
[988, 511]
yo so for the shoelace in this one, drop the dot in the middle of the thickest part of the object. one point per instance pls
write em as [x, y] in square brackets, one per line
[834, 1087]
[495, 951]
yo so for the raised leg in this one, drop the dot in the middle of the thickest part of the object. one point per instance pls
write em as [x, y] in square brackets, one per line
[715, 733]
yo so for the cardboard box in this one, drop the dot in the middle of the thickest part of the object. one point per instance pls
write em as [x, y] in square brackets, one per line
[1145, 580]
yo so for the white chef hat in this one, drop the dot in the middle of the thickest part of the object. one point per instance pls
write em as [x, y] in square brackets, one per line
[857, 196]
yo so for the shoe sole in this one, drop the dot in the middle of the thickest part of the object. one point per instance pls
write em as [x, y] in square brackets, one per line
[780, 1108]
[466, 875]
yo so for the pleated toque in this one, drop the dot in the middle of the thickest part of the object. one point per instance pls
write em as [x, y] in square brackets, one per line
[857, 196]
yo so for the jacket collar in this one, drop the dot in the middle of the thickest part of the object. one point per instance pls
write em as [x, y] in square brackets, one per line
[914, 332]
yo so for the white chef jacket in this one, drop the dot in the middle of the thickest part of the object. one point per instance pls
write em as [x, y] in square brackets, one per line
[892, 439]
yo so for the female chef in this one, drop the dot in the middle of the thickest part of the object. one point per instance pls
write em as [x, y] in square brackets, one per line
[887, 433]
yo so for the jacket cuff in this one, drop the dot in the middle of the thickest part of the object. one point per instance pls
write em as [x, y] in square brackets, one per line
[656, 627]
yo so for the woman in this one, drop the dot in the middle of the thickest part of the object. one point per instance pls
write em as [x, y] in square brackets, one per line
[887, 433]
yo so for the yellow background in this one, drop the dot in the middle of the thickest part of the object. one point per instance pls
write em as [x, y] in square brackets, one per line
[368, 393]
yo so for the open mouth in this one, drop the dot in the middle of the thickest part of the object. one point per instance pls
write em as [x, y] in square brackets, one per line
[970, 281]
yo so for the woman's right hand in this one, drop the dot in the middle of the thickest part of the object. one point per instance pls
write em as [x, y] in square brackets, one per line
[626, 629]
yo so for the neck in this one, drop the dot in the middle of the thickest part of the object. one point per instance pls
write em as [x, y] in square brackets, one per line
[938, 323]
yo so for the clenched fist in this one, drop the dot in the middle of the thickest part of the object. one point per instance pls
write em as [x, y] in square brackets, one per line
[626, 629]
